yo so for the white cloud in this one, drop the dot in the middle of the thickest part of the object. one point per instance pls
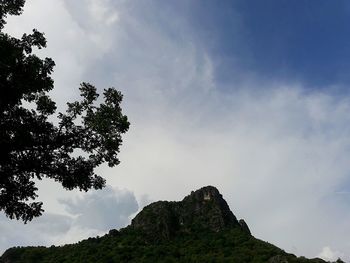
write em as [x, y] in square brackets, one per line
[90, 215]
[41, 231]
[101, 12]
[102, 210]
[330, 255]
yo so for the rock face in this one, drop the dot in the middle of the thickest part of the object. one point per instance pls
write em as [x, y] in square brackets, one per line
[204, 209]
[244, 226]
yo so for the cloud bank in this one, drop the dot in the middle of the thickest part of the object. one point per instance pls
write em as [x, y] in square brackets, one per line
[91, 215]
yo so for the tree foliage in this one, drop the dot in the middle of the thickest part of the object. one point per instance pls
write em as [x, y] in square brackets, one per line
[31, 145]
[228, 245]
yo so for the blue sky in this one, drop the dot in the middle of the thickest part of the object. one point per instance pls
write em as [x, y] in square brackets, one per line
[301, 41]
[248, 96]
[288, 41]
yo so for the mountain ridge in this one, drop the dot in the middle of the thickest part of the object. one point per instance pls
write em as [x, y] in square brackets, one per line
[204, 208]
[200, 228]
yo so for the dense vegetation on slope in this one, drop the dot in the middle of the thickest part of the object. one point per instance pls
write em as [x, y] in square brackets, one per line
[200, 228]
[229, 245]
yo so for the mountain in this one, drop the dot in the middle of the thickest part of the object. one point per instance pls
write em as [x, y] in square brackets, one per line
[200, 228]
[202, 210]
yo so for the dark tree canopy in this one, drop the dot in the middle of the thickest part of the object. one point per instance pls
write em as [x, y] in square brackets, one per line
[31, 145]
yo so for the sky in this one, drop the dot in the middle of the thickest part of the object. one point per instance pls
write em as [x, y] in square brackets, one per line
[249, 96]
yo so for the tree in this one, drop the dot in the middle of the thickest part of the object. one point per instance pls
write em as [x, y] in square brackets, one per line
[31, 145]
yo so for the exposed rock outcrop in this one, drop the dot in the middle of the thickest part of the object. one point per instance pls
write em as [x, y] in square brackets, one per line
[203, 209]
[244, 226]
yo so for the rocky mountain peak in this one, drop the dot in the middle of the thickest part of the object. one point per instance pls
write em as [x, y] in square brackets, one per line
[206, 193]
[203, 209]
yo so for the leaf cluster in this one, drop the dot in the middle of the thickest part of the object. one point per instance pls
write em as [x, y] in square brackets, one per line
[31, 145]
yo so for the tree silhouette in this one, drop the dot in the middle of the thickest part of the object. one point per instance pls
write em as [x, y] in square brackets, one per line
[31, 145]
